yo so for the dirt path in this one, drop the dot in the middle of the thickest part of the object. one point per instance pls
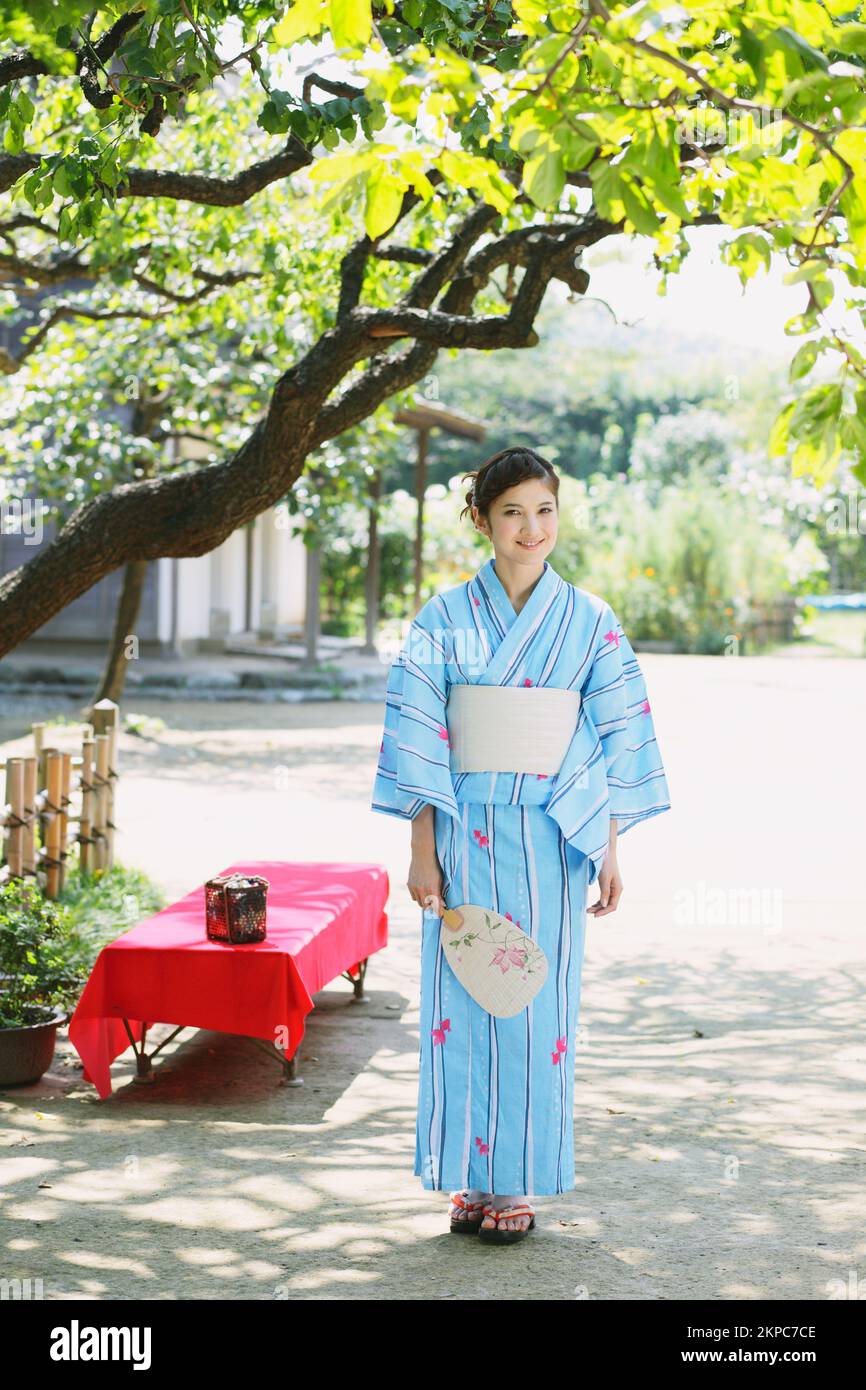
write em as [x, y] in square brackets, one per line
[719, 1123]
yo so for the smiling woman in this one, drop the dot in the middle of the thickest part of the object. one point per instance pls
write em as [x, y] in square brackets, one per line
[570, 758]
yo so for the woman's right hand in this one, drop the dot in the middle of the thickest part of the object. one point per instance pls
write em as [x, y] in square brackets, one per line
[425, 880]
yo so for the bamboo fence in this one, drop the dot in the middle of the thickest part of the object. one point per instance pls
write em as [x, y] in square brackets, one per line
[38, 794]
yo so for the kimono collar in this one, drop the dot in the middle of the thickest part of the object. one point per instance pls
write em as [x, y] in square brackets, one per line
[492, 584]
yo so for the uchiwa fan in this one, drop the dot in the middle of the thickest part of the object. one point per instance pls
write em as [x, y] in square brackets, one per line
[493, 958]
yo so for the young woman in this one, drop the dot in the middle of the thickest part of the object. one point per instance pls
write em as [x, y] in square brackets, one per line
[521, 835]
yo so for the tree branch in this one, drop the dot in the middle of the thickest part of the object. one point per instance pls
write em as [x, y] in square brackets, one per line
[93, 56]
[354, 264]
[551, 255]
[188, 513]
[9, 365]
[21, 64]
[327, 84]
[412, 255]
[192, 188]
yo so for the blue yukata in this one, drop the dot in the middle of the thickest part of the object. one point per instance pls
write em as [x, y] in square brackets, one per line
[495, 1095]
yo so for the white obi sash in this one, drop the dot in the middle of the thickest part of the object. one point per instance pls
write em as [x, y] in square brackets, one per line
[510, 728]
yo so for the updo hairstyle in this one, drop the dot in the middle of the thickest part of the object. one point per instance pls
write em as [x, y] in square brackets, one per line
[504, 470]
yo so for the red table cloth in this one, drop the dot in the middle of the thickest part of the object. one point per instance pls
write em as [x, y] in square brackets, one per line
[322, 919]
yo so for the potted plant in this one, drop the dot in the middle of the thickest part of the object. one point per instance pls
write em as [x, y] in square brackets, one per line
[40, 978]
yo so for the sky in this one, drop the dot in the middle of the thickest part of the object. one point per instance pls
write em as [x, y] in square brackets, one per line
[706, 295]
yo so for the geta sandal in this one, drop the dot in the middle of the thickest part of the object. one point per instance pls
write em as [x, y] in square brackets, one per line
[492, 1235]
[464, 1226]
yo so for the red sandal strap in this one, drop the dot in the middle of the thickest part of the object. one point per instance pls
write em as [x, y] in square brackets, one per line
[508, 1213]
[457, 1200]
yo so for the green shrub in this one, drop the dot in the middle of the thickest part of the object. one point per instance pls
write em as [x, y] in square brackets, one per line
[38, 968]
[104, 905]
[684, 563]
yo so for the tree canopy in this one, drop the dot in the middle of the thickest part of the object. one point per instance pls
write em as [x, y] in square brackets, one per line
[348, 188]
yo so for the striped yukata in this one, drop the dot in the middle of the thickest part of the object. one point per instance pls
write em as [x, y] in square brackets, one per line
[495, 1095]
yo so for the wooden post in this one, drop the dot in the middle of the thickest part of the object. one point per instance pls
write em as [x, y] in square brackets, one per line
[105, 723]
[51, 821]
[100, 815]
[312, 620]
[63, 818]
[15, 802]
[38, 744]
[372, 578]
[28, 849]
[420, 489]
[42, 781]
[112, 789]
[85, 825]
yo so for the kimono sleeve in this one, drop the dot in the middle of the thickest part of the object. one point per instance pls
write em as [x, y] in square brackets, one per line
[414, 765]
[615, 699]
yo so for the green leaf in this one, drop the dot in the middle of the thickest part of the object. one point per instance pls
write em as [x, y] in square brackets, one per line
[823, 290]
[384, 200]
[780, 432]
[25, 107]
[853, 204]
[336, 110]
[803, 361]
[62, 186]
[850, 38]
[305, 19]
[544, 178]
[13, 138]
[809, 270]
[272, 119]
[351, 23]
[607, 188]
[31, 188]
[305, 126]
[795, 45]
[753, 52]
[639, 212]
[109, 173]
[853, 432]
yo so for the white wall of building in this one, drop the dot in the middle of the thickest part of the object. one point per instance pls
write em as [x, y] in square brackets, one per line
[163, 592]
[284, 563]
[227, 588]
[211, 589]
[212, 598]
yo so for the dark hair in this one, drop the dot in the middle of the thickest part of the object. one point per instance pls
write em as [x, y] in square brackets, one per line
[504, 470]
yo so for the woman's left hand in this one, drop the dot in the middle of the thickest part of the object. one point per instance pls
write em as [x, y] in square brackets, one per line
[610, 887]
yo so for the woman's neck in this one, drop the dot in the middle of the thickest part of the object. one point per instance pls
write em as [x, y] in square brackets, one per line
[517, 581]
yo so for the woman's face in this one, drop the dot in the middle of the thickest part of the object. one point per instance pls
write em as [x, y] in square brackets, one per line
[522, 523]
